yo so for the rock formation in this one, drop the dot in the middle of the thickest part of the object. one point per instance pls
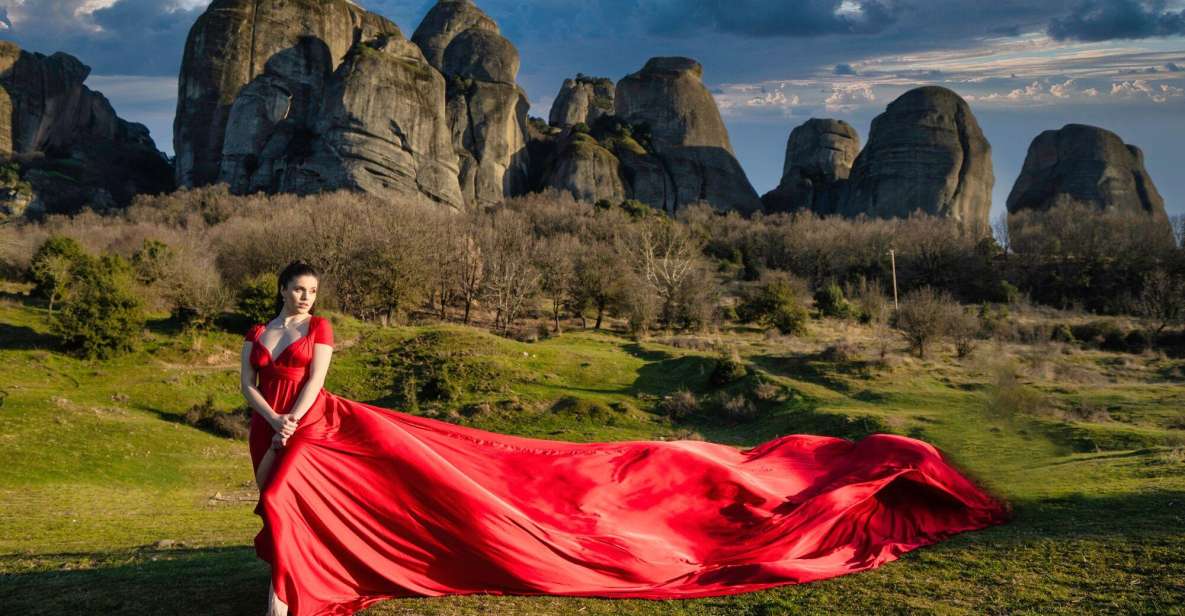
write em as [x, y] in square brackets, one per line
[443, 23]
[687, 136]
[667, 138]
[819, 157]
[230, 45]
[1086, 165]
[63, 143]
[486, 109]
[582, 100]
[925, 152]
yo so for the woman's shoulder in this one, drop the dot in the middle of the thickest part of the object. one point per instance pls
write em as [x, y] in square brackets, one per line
[322, 330]
[253, 332]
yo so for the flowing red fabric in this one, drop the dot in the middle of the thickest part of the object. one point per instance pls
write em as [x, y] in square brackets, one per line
[367, 503]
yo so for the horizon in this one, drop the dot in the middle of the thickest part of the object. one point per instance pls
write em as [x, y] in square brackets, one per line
[1116, 64]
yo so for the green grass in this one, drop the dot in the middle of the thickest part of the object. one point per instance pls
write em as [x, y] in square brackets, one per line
[107, 498]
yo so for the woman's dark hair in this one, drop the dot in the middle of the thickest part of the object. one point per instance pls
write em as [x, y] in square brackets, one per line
[294, 270]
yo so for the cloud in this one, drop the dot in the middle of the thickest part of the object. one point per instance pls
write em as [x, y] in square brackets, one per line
[845, 97]
[844, 69]
[1101, 20]
[1140, 88]
[143, 37]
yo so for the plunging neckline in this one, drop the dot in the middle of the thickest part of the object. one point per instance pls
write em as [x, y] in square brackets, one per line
[276, 358]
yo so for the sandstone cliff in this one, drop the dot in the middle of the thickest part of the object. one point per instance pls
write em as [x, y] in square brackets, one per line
[819, 157]
[927, 152]
[1087, 165]
[65, 146]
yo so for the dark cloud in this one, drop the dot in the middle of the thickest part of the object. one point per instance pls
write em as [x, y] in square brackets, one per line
[1101, 20]
[844, 69]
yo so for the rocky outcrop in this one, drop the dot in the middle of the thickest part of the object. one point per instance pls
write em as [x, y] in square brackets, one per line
[687, 138]
[64, 145]
[443, 23]
[486, 109]
[582, 100]
[819, 157]
[588, 170]
[230, 46]
[925, 152]
[1080, 164]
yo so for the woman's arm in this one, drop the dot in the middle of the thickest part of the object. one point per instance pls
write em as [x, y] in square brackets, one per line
[247, 385]
[322, 354]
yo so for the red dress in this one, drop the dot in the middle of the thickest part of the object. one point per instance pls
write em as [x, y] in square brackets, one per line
[367, 503]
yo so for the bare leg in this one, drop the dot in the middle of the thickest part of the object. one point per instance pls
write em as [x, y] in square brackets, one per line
[275, 607]
[265, 468]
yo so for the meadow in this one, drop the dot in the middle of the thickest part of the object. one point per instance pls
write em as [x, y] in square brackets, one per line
[111, 503]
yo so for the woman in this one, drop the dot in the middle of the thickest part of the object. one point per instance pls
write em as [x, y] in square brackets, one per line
[361, 503]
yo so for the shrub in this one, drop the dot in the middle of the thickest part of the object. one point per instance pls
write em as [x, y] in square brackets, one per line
[729, 369]
[963, 330]
[1062, 333]
[256, 298]
[50, 267]
[737, 407]
[1138, 340]
[679, 405]
[234, 424]
[1008, 397]
[775, 302]
[101, 314]
[830, 302]
[1096, 333]
[926, 315]
[152, 261]
[195, 291]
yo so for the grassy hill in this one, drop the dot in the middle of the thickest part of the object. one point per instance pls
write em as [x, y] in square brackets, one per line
[111, 503]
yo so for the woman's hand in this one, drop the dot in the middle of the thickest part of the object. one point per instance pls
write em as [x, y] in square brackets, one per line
[277, 441]
[288, 427]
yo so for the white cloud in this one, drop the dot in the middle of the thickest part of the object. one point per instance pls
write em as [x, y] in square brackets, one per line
[844, 97]
[1140, 88]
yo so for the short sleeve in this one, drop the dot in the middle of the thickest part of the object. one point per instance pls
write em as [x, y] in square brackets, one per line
[253, 333]
[324, 332]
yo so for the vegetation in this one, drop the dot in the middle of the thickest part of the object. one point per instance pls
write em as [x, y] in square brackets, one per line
[126, 484]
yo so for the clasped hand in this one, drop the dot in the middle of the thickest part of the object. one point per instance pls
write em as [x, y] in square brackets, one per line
[285, 430]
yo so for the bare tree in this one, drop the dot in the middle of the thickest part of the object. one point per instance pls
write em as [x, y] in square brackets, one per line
[1178, 223]
[469, 262]
[1000, 232]
[555, 261]
[511, 276]
[597, 282]
[1162, 299]
[665, 254]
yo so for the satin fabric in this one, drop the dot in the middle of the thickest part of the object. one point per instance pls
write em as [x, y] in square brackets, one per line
[367, 503]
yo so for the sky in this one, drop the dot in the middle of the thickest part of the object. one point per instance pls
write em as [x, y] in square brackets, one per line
[1023, 65]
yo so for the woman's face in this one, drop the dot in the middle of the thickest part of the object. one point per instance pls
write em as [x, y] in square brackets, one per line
[300, 294]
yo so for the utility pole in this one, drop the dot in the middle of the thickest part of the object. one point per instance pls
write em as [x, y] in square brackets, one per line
[893, 260]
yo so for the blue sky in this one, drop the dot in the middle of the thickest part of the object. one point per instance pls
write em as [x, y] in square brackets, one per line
[1024, 66]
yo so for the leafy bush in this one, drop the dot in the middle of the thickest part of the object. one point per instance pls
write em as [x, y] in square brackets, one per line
[50, 267]
[152, 261]
[775, 302]
[101, 313]
[830, 302]
[256, 298]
